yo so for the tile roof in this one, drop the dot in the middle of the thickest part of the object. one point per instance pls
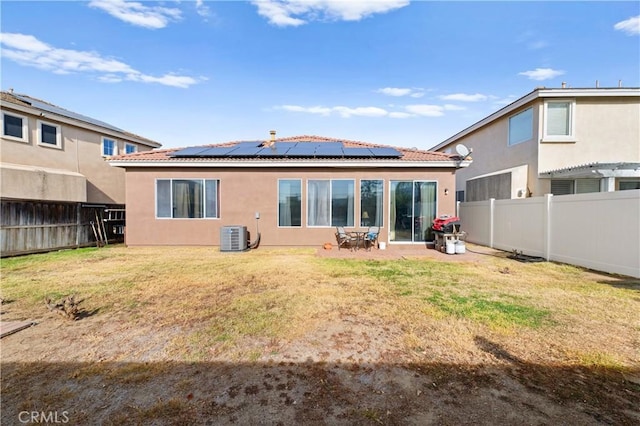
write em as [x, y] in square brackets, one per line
[164, 155]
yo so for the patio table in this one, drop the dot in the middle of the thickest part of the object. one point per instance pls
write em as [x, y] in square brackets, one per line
[359, 238]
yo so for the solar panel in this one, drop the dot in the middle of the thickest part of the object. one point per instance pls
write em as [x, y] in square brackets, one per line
[279, 149]
[288, 149]
[245, 151]
[357, 152]
[302, 149]
[329, 149]
[218, 151]
[65, 113]
[192, 151]
[386, 152]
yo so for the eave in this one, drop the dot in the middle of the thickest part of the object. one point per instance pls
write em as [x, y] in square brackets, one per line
[542, 93]
[46, 115]
[290, 164]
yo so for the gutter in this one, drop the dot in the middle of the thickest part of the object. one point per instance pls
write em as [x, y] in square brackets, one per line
[291, 164]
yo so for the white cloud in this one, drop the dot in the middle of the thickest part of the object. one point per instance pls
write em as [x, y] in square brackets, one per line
[396, 91]
[202, 9]
[540, 74]
[630, 26]
[360, 111]
[401, 115]
[311, 110]
[135, 13]
[298, 12]
[450, 107]
[408, 111]
[463, 97]
[343, 111]
[29, 51]
[426, 110]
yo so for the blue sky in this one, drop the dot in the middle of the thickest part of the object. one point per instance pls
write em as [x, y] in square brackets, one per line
[394, 72]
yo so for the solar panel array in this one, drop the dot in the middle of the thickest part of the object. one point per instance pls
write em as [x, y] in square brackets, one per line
[63, 112]
[259, 149]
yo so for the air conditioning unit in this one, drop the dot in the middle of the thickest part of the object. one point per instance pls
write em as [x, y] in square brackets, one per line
[233, 238]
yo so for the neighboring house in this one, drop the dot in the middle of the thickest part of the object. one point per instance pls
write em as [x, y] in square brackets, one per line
[49, 153]
[553, 141]
[301, 188]
[54, 177]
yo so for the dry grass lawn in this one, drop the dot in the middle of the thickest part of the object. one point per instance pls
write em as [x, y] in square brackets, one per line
[282, 336]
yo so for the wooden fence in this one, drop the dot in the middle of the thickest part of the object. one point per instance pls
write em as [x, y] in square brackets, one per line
[40, 226]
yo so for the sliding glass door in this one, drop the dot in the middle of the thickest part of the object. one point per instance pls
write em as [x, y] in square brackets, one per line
[412, 210]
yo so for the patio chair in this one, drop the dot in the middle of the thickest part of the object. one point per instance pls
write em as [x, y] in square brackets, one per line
[344, 239]
[371, 237]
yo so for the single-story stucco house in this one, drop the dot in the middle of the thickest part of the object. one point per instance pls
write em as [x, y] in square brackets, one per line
[294, 191]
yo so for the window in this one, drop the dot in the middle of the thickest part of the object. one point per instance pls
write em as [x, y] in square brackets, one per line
[109, 147]
[371, 202]
[559, 121]
[130, 148]
[49, 135]
[521, 127]
[413, 206]
[15, 127]
[492, 186]
[561, 187]
[626, 185]
[460, 196]
[330, 202]
[187, 198]
[584, 186]
[290, 202]
[577, 186]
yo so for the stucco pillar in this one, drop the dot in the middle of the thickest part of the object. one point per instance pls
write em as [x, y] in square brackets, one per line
[608, 184]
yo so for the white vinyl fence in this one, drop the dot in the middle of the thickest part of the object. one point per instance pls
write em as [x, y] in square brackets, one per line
[600, 231]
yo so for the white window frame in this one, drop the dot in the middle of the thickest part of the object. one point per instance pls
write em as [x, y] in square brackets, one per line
[204, 207]
[520, 115]
[58, 128]
[25, 127]
[127, 145]
[115, 147]
[571, 137]
[331, 225]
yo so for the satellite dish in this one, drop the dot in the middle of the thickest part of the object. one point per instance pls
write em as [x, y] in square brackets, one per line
[462, 150]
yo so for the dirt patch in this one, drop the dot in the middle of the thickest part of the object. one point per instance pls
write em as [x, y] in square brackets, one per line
[349, 371]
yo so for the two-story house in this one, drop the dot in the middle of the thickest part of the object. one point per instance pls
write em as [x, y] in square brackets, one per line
[552, 141]
[49, 153]
[53, 168]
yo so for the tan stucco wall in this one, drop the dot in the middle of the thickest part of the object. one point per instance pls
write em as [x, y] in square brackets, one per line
[243, 192]
[39, 183]
[80, 153]
[493, 155]
[607, 131]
